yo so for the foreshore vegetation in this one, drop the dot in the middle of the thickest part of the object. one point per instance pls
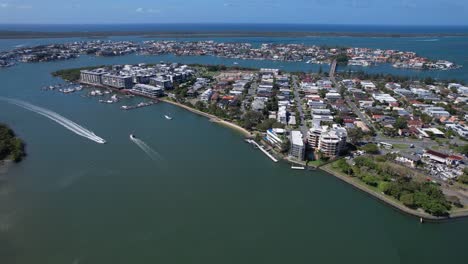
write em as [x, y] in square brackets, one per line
[398, 182]
[11, 147]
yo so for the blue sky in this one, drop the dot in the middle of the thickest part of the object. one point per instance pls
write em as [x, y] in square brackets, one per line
[394, 12]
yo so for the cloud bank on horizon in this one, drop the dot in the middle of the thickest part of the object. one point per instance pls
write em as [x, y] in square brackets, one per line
[395, 12]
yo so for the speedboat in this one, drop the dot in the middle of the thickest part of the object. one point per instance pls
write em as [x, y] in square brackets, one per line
[168, 117]
[132, 136]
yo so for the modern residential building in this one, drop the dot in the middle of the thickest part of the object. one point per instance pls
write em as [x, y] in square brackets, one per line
[331, 141]
[93, 77]
[117, 81]
[282, 116]
[384, 98]
[273, 136]
[331, 96]
[297, 149]
[161, 82]
[148, 90]
[461, 130]
[206, 95]
[436, 111]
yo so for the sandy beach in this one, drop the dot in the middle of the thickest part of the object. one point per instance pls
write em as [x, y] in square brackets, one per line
[212, 118]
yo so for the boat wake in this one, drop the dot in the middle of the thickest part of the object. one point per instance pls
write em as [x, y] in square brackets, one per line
[427, 40]
[147, 149]
[68, 124]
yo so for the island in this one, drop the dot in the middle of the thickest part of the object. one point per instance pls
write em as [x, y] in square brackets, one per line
[353, 56]
[400, 139]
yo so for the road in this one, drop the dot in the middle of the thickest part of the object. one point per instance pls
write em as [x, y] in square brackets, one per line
[303, 127]
[351, 104]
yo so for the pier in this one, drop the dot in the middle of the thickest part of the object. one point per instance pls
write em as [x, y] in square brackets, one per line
[140, 105]
[262, 149]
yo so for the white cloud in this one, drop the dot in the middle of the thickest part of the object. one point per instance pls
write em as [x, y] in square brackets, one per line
[151, 10]
[8, 5]
[147, 10]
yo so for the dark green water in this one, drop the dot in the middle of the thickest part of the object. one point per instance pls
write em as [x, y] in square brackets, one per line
[210, 199]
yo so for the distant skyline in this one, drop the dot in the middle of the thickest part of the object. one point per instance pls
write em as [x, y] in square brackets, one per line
[361, 12]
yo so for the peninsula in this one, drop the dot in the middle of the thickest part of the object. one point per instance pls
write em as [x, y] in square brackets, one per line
[399, 139]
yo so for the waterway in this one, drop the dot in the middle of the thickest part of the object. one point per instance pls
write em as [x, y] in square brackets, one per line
[208, 197]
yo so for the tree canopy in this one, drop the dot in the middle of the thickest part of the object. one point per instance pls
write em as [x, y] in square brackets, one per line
[11, 147]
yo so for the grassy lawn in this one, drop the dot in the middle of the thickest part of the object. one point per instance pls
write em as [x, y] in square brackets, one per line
[401, 146]
[315, 163]
[357, 181]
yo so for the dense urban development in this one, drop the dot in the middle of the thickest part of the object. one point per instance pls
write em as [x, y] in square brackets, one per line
[399, 139]
[267, 51]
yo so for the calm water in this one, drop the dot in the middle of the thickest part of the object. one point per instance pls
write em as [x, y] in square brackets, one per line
[210, 27]
[447, 48]
[210, 199]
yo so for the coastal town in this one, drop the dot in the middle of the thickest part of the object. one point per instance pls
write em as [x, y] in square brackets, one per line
[353, 56]
[399, 138]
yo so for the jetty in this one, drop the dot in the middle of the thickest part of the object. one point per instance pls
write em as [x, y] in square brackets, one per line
[262, 149]
[140, 105]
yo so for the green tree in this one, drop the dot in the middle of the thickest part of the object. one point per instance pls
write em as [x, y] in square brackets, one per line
[407, 199]
[251, 119]
[355, 135]
[11, 147]
[371, 148]
[401, 123]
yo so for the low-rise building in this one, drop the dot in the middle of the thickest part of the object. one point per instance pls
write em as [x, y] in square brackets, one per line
[147, 90]
[274, 137]
[206, 95]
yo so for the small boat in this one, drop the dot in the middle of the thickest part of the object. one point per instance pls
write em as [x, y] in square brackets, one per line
[168, 117]
[235, 63]
[132, 136]
[297, 168]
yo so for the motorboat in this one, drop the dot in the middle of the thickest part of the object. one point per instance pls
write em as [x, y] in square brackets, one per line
[132, 136]
[168, 117]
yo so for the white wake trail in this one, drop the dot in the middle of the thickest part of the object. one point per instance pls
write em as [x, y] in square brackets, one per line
[147, 149]
[68, 124]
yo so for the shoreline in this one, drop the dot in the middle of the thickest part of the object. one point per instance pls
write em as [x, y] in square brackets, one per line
[5, 34]
[212, 118]
[326, 168]
[393, 204]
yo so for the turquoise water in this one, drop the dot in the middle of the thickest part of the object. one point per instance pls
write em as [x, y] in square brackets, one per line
[210, 198]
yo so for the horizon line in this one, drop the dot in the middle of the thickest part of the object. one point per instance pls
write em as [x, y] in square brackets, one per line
[227, 23]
